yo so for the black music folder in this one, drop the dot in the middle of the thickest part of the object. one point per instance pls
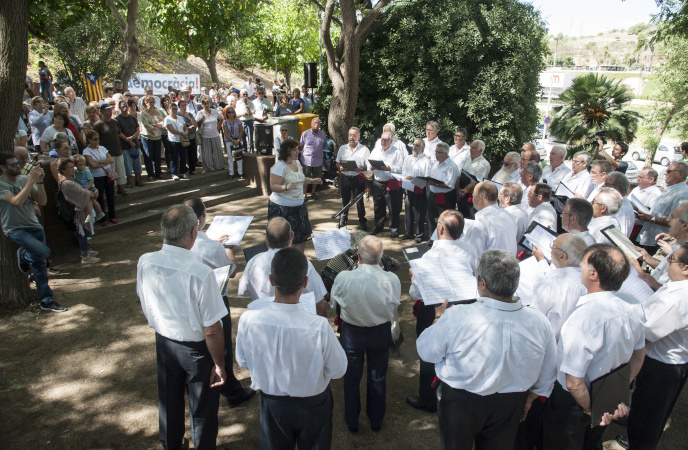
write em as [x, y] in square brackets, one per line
[415, 252]
[349, 165]
[250, 252]
[608, 391]
[375, 164]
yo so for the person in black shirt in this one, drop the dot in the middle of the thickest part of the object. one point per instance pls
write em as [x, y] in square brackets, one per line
[618, 152]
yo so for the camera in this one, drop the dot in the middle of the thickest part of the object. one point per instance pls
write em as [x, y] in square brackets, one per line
[599, 135]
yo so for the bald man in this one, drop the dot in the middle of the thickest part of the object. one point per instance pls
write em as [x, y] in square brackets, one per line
[494, 228]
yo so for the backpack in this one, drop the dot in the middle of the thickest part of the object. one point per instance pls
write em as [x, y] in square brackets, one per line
[65, 210]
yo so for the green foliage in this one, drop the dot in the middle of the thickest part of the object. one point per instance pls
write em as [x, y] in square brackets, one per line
[594, 103]
[638, 28]
[673, 15]
[289, 29]
[480, 72]
[672, 88]
[200, 27]
[44, 14]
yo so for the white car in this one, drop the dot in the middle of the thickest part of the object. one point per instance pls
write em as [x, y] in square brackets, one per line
[666, 154]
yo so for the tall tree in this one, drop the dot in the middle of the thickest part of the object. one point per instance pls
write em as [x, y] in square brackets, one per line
[14, 54]
[288, 35]
[201, 27]
[594, 103]
[131, 44]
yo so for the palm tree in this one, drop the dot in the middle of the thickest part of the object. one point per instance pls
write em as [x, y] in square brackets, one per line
[594, 103]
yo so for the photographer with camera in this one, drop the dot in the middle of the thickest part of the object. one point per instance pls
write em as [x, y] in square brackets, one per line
[619, 150]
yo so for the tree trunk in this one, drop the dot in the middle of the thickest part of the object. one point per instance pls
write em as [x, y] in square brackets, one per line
[131, 44]
[344, 95]
[287, 76]
[661, 128]
[14, 55]
[210, 62]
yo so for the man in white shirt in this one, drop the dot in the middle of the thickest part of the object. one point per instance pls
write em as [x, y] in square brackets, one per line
[442, 195]
[368, 298]
[511, 169]
[598, 173]
[493, 358]
[185, 311]
[396, 143]
[449, 231]
[665, 369]
[626, 215]
[494, 228]
[292, 356]
[656, 222]
[477, 166]
[543, 213]
[556, 170]
[530, 174]
[249, 85]
[255, 283]
[352, 182]
[382, 179]
[76, 104]
[460, 151]
[601, 334]
[604, 206]
[416, 165]
[214, 255]
[576, 217]
[578, 180]
[647, 191]
[262, 106]
[431, 140]
[510, 199]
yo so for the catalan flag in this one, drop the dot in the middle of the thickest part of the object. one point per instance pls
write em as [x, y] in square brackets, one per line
[93, 86]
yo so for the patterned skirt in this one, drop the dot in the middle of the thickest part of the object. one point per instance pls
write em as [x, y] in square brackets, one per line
[297, 216]
[212, 153]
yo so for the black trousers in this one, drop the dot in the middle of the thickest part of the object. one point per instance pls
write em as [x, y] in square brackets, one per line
[426, 393]
[435, 209]
[415, 206]
[381, 198]
[657, 387]
[566, 426]
[465, 207]
[530, 430]
[192, 155]
[360, 343]
[232, 388]
[286, 422]
[106, 191]
[186, 365]
[489, 421]
[351, 186]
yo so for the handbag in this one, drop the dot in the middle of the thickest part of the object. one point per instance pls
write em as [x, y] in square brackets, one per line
[185, 141]
[111, 174]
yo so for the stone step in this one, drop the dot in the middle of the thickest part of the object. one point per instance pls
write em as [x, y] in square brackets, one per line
[167, 185]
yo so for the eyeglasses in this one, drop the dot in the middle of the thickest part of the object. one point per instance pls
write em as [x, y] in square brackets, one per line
[669, 171]
[14, 164]
[595, 202]
[284, 129]
[551, 246]
[575, 161]
[507, 164]
[458, 135]
[672, 259]
[430, 129]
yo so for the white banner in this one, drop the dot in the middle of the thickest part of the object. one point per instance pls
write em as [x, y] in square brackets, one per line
[160, 82]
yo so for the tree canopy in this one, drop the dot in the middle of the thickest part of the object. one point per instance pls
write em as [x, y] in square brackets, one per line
[480, 72]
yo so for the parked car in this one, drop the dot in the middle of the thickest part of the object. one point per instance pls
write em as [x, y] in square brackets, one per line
[666, 154]
[632, 172]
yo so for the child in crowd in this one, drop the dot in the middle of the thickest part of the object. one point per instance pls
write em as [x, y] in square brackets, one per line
[83, 176]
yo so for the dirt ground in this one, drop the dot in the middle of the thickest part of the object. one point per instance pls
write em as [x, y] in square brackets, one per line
[87, 378]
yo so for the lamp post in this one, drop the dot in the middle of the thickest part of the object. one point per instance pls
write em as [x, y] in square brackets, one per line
[551, 82]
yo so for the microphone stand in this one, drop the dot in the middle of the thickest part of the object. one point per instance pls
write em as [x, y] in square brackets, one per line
[350, 204]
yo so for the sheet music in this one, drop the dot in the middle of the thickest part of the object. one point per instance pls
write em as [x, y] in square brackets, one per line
[406, 184]
[638, 204]
[441, 279]
[306, 300]
[222, 275]
[636, 287]
[419, 182]
[467, 223]
[233, 226]
[329, 244]
[531, 276]
[540, 237]
[564, 191]
[619, 239]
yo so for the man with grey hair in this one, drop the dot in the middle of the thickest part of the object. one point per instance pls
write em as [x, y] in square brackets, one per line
[604, 206]
[186, 312]
[543, 212]
[598, 173]
[494, 228]
[647, 191]
[511, 169]
[416, 204]
[479, 167]
[576, 217]
[460, 151]
[656, 221]
[502, 384]
[626, 215]
[76, 104]
[442, 195]
[386, 189]
[579, 180]
[553, 173]
[510, 200]
[431, 140]
[368, 297]
[22, 155]
[396, 143]
[530, 174]
[352, 182]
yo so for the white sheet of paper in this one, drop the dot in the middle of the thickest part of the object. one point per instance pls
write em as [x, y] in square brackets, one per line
[638, 204]
[220, 275]
[441, 279]
[564, 190]
[531, 276]
[542, 239]
[329, 244]
[405, 184]
[636, 287]
[421, 183]
[233, 226]
[306, 300]
[467, 223]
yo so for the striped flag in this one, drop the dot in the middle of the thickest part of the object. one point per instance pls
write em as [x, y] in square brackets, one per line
[93, 85]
